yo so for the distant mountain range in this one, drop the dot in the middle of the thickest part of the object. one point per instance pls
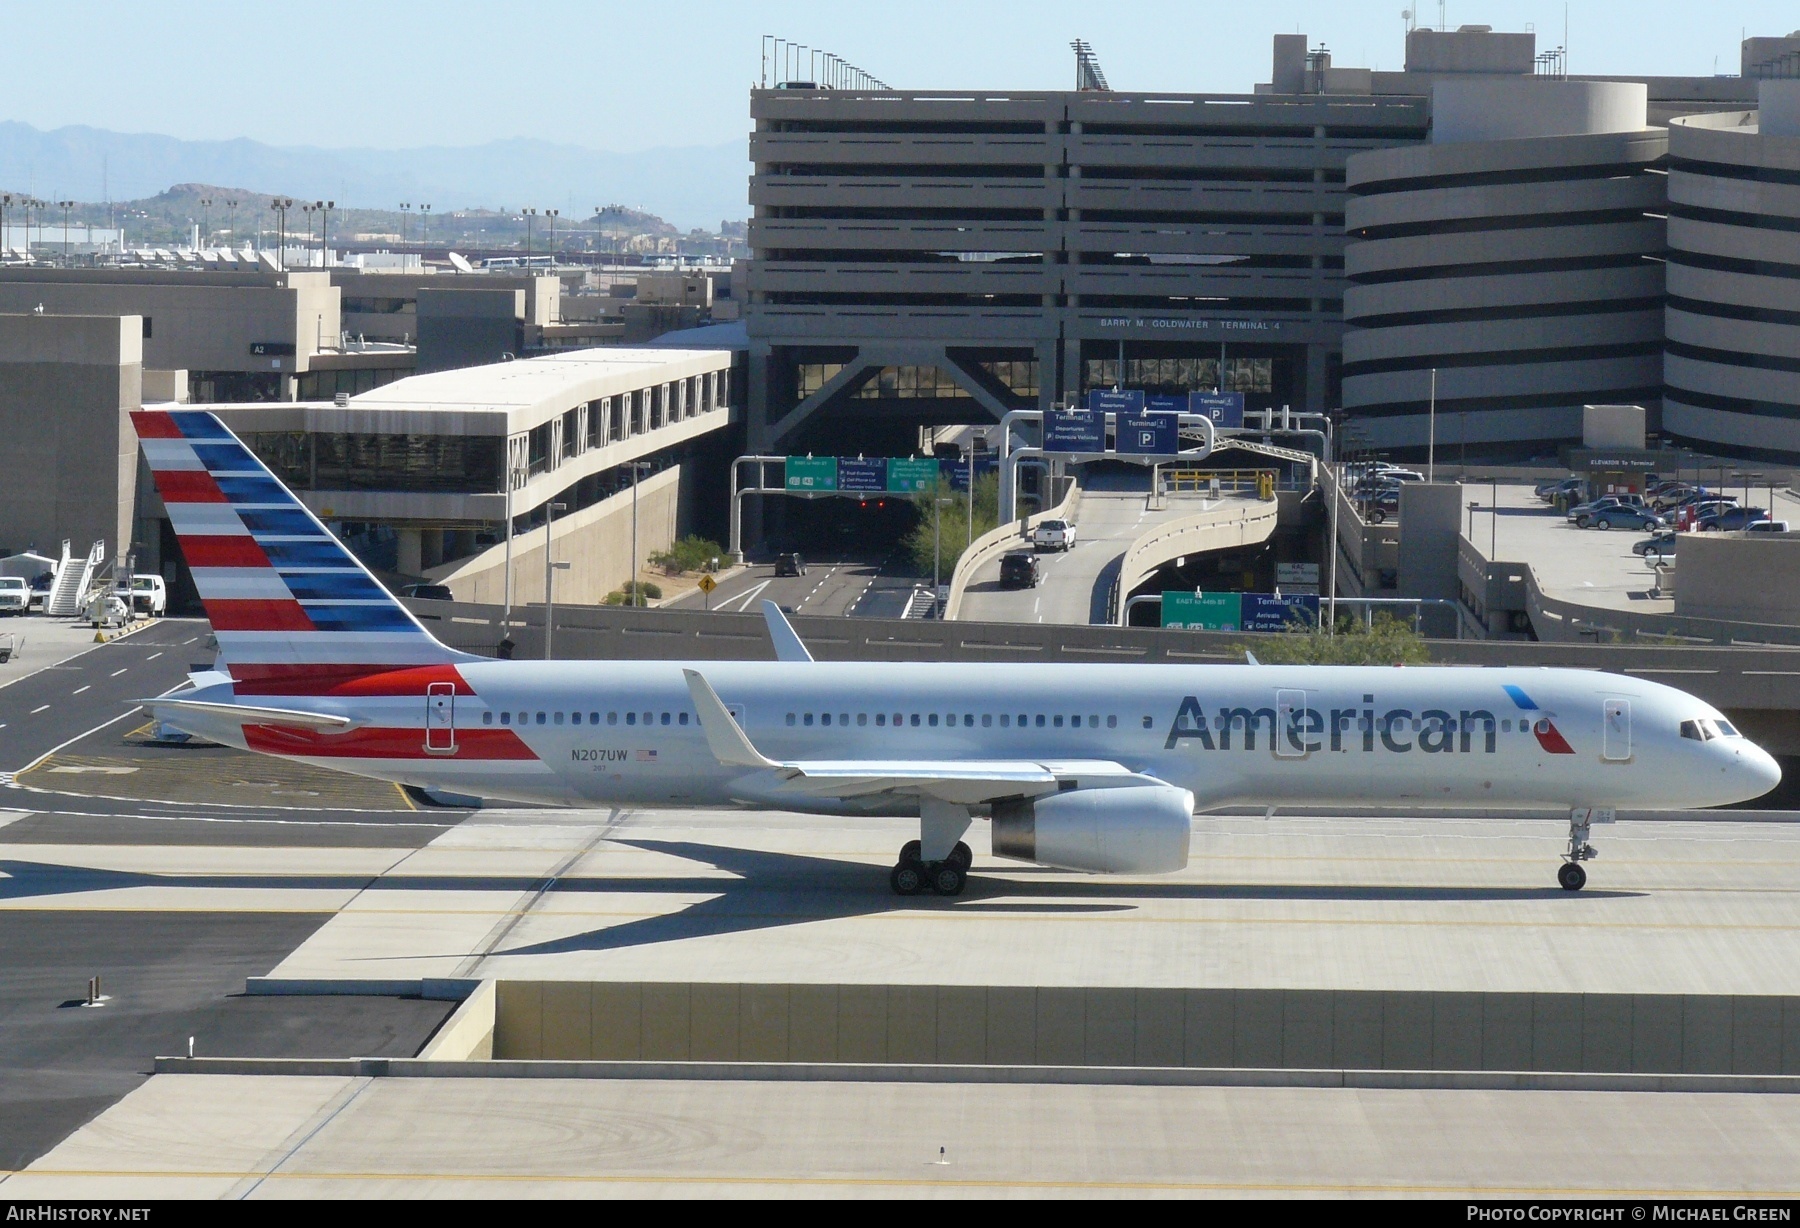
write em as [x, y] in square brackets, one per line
[691, 186]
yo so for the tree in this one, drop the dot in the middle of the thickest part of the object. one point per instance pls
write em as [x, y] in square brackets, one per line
[922, 542]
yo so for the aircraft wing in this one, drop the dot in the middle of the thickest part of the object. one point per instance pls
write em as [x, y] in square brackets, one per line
[963, 781]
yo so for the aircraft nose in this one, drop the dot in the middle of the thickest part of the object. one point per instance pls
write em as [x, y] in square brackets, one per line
[1757, 769]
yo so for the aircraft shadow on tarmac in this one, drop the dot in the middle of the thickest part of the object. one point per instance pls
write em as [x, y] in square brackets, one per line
[769, 890]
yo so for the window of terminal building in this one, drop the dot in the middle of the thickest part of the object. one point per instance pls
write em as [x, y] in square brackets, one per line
[328, 385]
[596, 423]
[907, 383]
[571, 432]
[1191, 374]
[537, 449]
[461, 463]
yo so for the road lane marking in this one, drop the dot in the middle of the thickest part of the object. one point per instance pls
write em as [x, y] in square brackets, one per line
[155, 655]
[745, 597]
[78, 690]
[13, 783]
[40, 708]
[117, 672]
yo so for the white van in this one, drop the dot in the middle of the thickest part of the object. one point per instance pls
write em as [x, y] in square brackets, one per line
[15, 595]
[149, 595]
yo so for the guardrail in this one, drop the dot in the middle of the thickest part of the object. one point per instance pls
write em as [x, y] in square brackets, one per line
[1205, 481]
[1223, 527]
[996, 542]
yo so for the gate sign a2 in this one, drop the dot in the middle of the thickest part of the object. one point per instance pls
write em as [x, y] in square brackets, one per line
[806, 474]
[1074, 431]
[1148, 434]
[858, 476]
[1226, 409]
[910, 475]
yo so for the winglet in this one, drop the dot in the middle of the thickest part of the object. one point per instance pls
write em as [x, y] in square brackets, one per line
[1250, 658]
[730, 746]
[788, 646]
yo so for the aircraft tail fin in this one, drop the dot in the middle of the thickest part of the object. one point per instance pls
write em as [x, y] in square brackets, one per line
[294, 611]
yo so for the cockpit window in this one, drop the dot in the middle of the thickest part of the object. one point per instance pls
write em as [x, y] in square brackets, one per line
[1695, 730]
[1726, 729]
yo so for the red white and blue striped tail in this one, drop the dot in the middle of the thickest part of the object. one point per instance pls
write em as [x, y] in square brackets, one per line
[294, 611]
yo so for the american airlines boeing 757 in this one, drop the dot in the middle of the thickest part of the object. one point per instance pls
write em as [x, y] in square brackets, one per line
[1082, 767]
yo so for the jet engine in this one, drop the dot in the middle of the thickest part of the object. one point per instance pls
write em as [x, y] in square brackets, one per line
[1138, 829]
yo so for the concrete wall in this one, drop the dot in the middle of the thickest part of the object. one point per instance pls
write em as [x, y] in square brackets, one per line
[196, 321]
[1612, 426]
[1430, 527]
[1508, 108]
[596, 541]
[461, 327]
[66, 384]
[1262, 1028]
[1751, 578]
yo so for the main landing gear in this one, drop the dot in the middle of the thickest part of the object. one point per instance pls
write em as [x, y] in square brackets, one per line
[1570, 875]
[938, 861]
[914, 875]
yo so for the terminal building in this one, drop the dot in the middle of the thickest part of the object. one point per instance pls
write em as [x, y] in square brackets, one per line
[1479, 234]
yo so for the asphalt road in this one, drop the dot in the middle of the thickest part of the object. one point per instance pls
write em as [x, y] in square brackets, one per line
[58, 703]
[857, 586]
[1076, 585]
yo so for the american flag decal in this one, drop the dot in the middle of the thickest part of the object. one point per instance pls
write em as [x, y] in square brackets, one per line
[646, 756]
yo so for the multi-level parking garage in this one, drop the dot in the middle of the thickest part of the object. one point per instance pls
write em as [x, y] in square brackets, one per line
[1513, 266]
[927, 257]
[1732, 363]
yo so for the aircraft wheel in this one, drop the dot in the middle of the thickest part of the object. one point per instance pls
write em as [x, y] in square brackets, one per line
[910, 852]
[948, 878]
[960, 857]
[907, 878]
[1571, 876]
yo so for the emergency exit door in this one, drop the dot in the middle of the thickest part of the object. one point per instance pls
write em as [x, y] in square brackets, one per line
[440, 718]
[1615, 733]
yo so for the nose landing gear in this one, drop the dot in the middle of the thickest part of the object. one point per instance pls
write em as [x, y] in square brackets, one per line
[1581, 818]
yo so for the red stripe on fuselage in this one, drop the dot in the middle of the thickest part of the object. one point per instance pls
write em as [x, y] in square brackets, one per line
[353, 680]
[245, 614]
[154, 424]
[495, 744]
[188, 486]
[223, 552]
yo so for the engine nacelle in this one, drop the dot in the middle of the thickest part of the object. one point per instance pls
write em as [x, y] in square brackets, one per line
[1140, 829]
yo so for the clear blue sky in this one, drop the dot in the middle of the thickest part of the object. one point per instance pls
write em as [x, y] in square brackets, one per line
[633, 76]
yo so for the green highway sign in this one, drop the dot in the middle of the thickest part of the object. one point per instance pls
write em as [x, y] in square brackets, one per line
[908, 476]
[1202, 611]
[811, 473]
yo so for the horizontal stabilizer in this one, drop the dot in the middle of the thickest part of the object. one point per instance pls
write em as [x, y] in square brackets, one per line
[251, 715]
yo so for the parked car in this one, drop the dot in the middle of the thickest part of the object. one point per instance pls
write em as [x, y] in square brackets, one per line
[1767, 526]
[1053, 535]
[1019, 569]
[790, 565]
[427, 592]
[15, 595]
[1660, 544]
[1624, 518]
[1383, 505]
[1730, 520]
[1547, 491]
[1674, 494]
[1583, 513]
[149, 595]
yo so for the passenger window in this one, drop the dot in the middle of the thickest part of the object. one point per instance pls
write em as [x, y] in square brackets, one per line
[665, 718]
[647, 717]
[593, 718]
[932, 720]
[1112, 722]
[1147, 722]
[540, 718]
[915, 720]
[1023, 720]
[1056, 721]
[862, 718]
[825, 718]
[968, 720]
[631, 718]
[1506, 725]
[790, 718]
[506, 718]
[487, 718]
[1005, 721]
[843, 718]
[1040, 720]
[1093, 722]
[881, 719]
[574, 718]
[682, 719]
[612, 718]
[987, 720]
[806, 719]
[557, 721]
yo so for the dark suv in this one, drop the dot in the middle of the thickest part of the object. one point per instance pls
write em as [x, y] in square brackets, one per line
[1019, 570]
[790, 565]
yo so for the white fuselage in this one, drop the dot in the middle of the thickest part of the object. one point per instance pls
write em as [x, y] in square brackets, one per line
[627, 733]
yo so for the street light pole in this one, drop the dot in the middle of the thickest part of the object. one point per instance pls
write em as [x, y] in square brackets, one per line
[1431, 433]
[280, 205]
[937, 549]
[550, 570]
[529, 215]
[66, 206]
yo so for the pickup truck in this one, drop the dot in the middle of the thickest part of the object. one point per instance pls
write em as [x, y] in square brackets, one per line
[1053, 535]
